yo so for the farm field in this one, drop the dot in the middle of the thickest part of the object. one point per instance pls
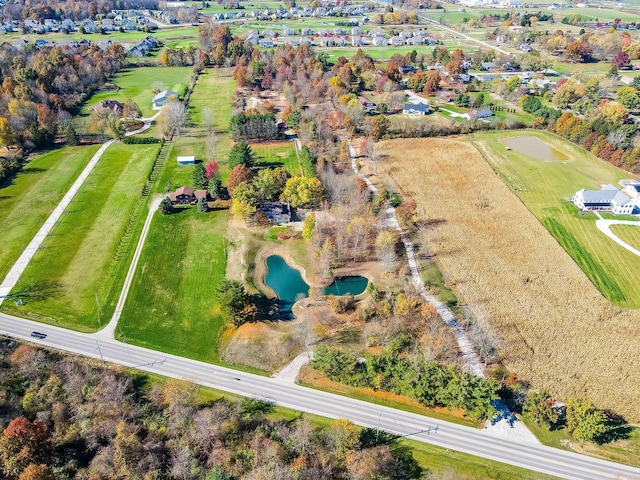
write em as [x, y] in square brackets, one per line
[80, 253]
[172, 302]
[551, 325]
[27, 199]
[545, 188]
[136, 84]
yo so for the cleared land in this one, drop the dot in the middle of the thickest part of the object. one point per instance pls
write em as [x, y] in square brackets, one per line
[136, 84]
[82, 253]
[282, 154]
[27, 199]
[172, 303]
[553, 327]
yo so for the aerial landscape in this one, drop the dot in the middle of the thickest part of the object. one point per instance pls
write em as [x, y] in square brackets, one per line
[325, 239]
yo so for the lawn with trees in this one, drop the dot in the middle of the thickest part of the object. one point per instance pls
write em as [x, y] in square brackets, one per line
[138, 84]
[84, 257]
[27, 199]
[173, 303]
[284, 154]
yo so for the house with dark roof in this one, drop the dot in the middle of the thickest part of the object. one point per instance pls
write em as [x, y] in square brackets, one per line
[367, 104]
[415, 109]
[187, 196]
[275, 212]
[113, 105]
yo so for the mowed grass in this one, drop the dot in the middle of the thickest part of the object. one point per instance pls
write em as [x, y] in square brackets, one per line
[281, 154]
[545, 188]
[629, 234]
[172, 303]
[551, 325]
[135, 83]
[27, 199]
[213, 90]
[79, 254]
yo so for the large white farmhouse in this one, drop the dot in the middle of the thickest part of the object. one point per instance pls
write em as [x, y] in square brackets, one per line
[607, 199]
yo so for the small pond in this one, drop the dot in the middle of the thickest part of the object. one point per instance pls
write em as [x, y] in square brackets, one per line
[347, 286]
[287, 282]
[290, 287]
[535, 148]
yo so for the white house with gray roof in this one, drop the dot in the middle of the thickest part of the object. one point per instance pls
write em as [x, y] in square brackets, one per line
[607, 199]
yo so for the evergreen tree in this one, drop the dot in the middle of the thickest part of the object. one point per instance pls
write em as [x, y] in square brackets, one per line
[200, 177]
[241, 154]
[203, 206]
[166, 207]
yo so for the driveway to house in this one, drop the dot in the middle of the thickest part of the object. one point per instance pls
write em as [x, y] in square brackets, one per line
[605, 227]
[18, 268]
[108, 332]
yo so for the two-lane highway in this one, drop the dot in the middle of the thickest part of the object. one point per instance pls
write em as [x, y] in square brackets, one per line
[448, 435]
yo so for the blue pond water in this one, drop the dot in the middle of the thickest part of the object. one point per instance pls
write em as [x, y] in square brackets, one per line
[290, 287]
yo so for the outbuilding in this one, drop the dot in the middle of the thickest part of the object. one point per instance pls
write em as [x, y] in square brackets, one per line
[187, 160]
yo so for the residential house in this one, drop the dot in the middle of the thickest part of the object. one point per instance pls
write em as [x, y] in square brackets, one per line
[88, 26]
[104, 44]
[487, 66]
[113, 105]
[161, 98]
[407, 69]
[266, 43]
[484, 113]
[631, 187]
[253, 37]
[356, 31]
[275, 212]
[339, 31]
[367, 104]
[307, 32]
[268, 33]
[186, 196]
[357, 41]
[379, 41]
[430, 41]
[396, 40]
[68, 25]
[288, 31]
[415, 109]
[607, 199]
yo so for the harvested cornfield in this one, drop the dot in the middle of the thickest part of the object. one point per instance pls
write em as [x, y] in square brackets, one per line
[555, 328]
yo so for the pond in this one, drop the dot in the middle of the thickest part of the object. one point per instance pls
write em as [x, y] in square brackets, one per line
[290, 287]
[347, 286]
[535, 148]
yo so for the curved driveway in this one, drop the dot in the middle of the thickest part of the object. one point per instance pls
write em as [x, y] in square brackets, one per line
[605, 227]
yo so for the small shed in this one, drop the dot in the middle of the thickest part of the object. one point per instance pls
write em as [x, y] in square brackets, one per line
[187, 160]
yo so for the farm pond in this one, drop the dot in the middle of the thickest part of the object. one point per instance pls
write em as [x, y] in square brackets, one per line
[289, 286]
[535, 148]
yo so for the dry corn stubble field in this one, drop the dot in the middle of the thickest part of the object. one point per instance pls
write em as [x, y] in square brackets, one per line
[555, 329]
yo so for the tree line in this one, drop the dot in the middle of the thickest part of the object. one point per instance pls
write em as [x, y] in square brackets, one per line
[66, 418]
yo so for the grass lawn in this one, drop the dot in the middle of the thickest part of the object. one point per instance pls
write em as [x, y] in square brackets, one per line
[545, 188]
[172, 302]
[628, 233]
[27, 199]
[283, 154]
[80, 253]
[135, 83]
[213, 90]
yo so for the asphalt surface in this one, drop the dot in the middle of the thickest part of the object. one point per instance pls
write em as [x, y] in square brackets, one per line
[448, 435]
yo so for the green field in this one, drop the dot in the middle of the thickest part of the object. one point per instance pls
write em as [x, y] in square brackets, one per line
[80, 252]
[628, 233]
[545, 188]
[213, 90]
[172, 302]
[136, 84]
[281, 154]
[27, 199]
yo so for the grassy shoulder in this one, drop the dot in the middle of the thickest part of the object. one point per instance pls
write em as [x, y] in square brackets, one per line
[545, 188]
[80, 255]
[311, 378]
[172, 302]
[28, 198]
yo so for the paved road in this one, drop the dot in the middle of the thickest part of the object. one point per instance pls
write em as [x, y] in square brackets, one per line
[455, 437]
[605, 227]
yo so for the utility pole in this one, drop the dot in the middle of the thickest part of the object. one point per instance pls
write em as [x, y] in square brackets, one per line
[100, 352]
[378, 427]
